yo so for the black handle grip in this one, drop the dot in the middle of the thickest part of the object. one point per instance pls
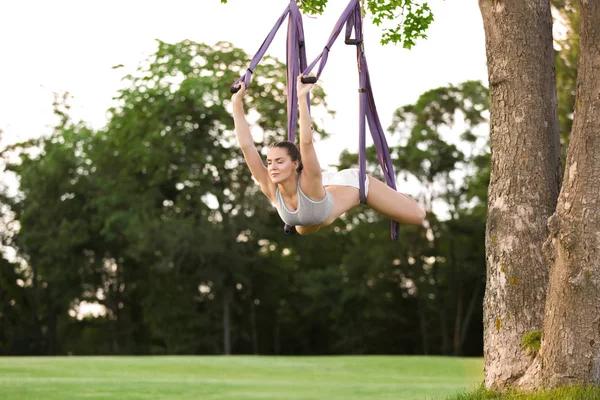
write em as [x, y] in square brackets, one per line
[308, 79]
[234, 89]
[352, 41]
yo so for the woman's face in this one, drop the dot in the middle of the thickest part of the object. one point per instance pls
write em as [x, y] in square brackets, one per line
[280, 164]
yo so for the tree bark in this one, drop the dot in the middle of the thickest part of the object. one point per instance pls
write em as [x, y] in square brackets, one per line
[524, 181]
[570, 351]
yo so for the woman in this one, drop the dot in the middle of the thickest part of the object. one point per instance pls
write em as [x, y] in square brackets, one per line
[293, 181]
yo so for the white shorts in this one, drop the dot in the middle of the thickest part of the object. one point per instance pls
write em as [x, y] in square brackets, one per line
[345, 177]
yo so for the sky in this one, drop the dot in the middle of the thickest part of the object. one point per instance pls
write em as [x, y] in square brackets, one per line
[71, 46]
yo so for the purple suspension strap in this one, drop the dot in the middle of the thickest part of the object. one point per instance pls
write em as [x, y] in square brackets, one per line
[352, 17]
[296, 61]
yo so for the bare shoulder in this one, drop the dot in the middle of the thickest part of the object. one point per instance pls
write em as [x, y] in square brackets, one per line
[312, 185]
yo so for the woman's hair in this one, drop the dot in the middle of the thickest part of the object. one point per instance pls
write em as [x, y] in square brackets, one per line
[292, 151]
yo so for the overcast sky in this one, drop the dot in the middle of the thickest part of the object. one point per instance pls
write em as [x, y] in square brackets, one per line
[71, 45]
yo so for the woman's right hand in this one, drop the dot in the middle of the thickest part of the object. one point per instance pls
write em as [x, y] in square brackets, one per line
[303, 88]
[237, 96]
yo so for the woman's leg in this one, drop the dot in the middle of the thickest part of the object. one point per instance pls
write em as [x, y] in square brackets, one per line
[393, 204]
[381, 198]
[344, 198]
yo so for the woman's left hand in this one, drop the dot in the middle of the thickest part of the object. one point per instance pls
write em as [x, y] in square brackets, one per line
[236, 98]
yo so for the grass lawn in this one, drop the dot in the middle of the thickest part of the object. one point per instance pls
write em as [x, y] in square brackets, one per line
[237, 377]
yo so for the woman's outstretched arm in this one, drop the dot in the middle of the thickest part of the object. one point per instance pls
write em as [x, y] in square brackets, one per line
[312, 168]
[246, 143]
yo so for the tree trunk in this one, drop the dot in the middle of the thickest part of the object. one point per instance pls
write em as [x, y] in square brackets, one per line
[456, 345]
[253, 327]
[457, 285]
[441, 306]
[227, 320]
[454, 277]
[423, 324]
[524, 181]
[469, 314]
[276, 333]
[111, 302]
[570, 352]
[51, 334]
[35, 312]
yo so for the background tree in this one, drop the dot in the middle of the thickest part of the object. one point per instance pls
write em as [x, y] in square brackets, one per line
[410, 18]
[435, 162]
[155, 249]
[525, 144]
[439, 265]
[525, 155]
[570, 349]
[567, 54]
[158, 193]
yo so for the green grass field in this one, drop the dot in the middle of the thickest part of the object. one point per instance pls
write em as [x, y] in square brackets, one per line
[237, 377]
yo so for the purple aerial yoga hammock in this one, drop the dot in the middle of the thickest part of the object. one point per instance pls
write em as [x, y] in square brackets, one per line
[296, 62]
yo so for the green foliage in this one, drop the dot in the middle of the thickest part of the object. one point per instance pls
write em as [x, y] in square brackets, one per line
[414, 20]
[155, 218]
[162, 227]
[566, 62]
[16, 335]
[444, 265]
[112, 216]
[411, 18]
[532, 342]
[424, 153]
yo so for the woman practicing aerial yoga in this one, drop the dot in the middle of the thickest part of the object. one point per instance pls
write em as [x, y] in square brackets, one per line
[306, 197]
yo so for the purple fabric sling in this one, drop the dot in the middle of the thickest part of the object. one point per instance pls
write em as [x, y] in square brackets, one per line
[296, 62]
[352, 18]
